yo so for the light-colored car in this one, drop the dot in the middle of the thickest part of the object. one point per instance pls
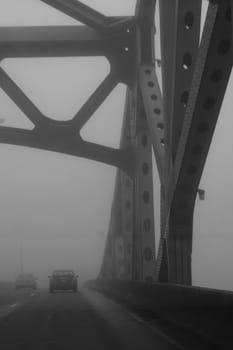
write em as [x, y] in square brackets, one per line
[63, 280]
[25, 280]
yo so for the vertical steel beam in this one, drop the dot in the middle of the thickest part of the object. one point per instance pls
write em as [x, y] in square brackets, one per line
[179, 46]
[213, 68]
[126, 189]
[77, 10]
[210, 78]
[121, 222]
[144, 236]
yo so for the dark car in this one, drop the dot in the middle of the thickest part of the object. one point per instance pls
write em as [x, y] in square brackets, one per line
[63, 280]
[25, 280]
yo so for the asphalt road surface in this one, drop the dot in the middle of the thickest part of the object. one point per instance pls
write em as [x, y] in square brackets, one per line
[74, 321]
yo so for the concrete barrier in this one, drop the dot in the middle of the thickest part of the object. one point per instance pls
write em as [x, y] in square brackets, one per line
[207, 313]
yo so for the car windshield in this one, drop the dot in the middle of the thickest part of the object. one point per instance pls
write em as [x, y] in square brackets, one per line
[64, 273]
[25, 277]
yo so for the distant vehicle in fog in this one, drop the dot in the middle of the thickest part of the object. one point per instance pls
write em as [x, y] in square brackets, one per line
[63, 280]
[25, 280]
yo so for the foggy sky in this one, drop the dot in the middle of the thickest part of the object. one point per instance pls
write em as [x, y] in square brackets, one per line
[57, 207]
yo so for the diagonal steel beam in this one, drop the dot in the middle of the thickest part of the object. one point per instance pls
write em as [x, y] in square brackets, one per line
[83, 13]
[96, 99]
[121, 158]
[21, 100]
[64, 139]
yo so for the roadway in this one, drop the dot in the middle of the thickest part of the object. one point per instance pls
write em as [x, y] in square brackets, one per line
[68, 321]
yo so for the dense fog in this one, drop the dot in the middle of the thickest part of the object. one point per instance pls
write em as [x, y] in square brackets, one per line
[55, 209]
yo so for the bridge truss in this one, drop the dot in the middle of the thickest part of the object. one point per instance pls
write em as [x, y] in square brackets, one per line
[175, 125]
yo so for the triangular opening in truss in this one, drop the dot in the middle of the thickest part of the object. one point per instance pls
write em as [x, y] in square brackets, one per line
[58, 86]
[104, 127]
[31, 13]
[112, 7]
[11, 115]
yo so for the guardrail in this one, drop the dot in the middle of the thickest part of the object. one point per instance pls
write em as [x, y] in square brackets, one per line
[207, 313]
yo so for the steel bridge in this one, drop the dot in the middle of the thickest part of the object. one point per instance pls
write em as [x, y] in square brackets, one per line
[177, 123]
[174, 124]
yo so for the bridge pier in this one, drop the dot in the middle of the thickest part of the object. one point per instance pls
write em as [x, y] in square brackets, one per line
[179, 256]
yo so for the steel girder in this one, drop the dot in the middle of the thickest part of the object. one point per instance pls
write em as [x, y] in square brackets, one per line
[105, 36]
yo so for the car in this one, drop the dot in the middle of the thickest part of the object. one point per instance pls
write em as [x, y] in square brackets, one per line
[25, 280]
[63, 280]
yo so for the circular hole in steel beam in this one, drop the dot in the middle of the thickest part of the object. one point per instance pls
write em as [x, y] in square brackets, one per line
[184, 98]
[187, 61]
[147, 71]
[145, 168]
[157, 110]
[151, 84]
[160, 126]
[188, 20]
[154, 97]
[162, 142]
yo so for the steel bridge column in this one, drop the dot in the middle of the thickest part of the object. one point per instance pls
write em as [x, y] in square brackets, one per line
[144, 237]
[179, 248]
[120, 235]
[179, 46]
